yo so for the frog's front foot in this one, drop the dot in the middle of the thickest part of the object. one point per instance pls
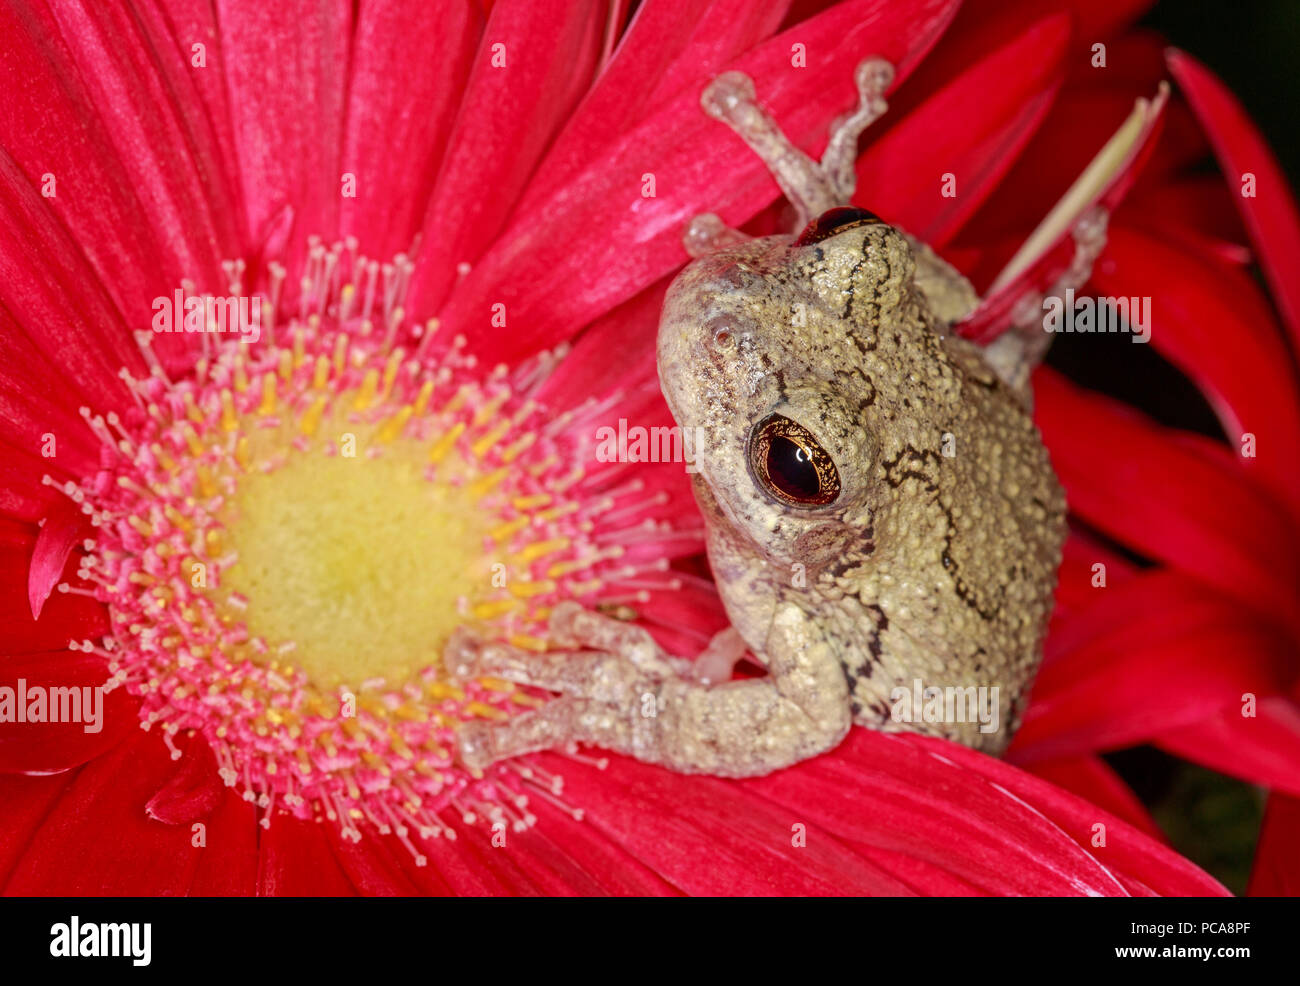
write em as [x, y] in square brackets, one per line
[608, 675]
[617, 689]
[812, 187]
[707, 234]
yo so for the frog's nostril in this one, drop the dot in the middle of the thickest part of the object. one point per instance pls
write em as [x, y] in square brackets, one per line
[835, 221]
[720, 334]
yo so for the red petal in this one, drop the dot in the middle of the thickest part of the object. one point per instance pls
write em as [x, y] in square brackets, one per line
[973, 127]
[26, 800]
[65, 616]
[596, 242]
[1171, 496]
[1161, 653]
[1264, 749]
[707, 836]
[228, 864]
[179, 25]
[1097, 19]
[1051, 258]
[295, 860]
[543, 866]
[670, 46]
[38, 407]
[1076, 577]
[1090, 106]
[978, 819]
[56, 298]
[1195, 212]
[508, 115]
[1093, 780]
[630, 330]
[369, 865]
[97, 840]
[92, 103]
[193, 791]
[46, 747]
[1271, 216]
[1211, 321]
[396, 134]
[24, 497]
[1277, 856]
[881, 814]
[286, 109]
[60, 533]
[615, 871]
[470, 867]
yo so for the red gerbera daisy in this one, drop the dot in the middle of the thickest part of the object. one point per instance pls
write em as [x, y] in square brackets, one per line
[258, 547]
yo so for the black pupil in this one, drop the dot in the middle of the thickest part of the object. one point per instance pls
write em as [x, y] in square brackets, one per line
[791, 469]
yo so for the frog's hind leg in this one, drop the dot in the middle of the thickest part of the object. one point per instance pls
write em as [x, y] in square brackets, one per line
[812, 187]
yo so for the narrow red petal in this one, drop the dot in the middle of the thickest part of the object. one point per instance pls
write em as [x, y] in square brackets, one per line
[193, 791]
[55, 298]
[287, 110]
[1160, 653]
[1098, 20]
[396, 135]
[596, 242]
[136, 176]
[979, 819]
[615, 870]
[1051, 261]
[1170, 496]
[1263, 749]
[535, 60]
[1211, 320]
[1195, 212]
[65, 616]
[24, 496]
[1277, 856]
[369, 865]
[973, 128]
[668, 47]
[38, 406]
[708, 836]
[64, 528]
[1078, 577]
[1093, 780]
[1270, 214]
[471, 867]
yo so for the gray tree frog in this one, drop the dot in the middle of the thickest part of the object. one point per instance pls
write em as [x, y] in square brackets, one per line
[881, 513]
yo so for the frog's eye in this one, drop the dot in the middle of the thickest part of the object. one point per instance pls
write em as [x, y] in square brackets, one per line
[835, 221]
[790, 465]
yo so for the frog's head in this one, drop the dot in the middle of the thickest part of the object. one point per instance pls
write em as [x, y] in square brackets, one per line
[762, 349]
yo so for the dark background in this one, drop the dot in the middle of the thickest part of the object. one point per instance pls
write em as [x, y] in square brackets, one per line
[1254, 46]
